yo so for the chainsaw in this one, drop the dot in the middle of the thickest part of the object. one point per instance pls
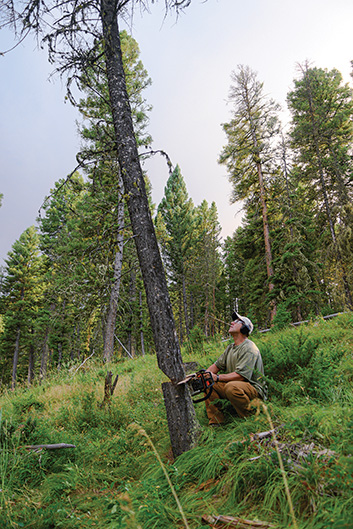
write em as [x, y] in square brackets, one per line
[201, 381]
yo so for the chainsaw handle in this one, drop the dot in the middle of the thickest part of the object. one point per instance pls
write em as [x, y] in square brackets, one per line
[205, 397]
[209, 385]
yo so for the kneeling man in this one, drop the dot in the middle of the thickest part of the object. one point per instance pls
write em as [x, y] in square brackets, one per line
[238, 373]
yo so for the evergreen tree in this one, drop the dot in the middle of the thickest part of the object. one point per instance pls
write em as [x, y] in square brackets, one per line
[175, 224]
[107, 191]
[249, 151]
[322, 132]
[90, 241]
[244, 263]
[72, 295]
[294, 242]
[21, 298]
[206, 267]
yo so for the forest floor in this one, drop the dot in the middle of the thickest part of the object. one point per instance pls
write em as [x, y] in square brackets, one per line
[120, 473]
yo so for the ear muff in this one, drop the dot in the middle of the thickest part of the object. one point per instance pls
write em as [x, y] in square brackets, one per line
[245, 330]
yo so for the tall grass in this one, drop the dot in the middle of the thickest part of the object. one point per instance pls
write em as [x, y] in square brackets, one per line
[117, 479]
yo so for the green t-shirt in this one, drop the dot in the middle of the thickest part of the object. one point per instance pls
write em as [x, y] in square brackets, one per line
[245, 359]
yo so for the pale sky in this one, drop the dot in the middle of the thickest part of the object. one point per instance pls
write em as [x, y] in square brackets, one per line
[189, 62]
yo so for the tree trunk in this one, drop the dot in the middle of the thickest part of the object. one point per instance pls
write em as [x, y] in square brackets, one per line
[141, 326]
[60, 350]
[30, 375]
[159, 305]
[108, 349]
[15, 359]
[181, 327]
[185, 305]
[294, 268]
[44, 356]
[342, 191]
[266, 230]
[181, 423]
[132, 299]
[109, 387]
[191, 311]
[268, 252]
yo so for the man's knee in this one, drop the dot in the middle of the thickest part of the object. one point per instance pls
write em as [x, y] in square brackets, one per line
[234, 390]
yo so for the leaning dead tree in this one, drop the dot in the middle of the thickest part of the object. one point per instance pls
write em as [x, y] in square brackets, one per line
[75, 32]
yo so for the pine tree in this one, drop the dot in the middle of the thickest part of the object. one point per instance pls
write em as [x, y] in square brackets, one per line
[21, 297]
[175, 219]
[322, 133]
[107, 190]
[90, 239]
[248, 153]
[205, 267]
[72, 297]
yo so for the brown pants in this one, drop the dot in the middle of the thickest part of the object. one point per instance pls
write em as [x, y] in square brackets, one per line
[239, 393]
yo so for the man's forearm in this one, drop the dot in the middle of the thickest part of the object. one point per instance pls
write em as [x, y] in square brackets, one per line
[230, 377]
[224, 377]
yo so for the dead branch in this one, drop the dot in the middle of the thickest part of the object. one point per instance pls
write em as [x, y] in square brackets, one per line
[231, 521]
[90, 356]
[263, 435]
[56, 446]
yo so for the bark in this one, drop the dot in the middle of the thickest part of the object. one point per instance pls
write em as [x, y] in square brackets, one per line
[30, 375]
[226, 522]
[141, 326]
[185, 306]
[56, 446]
[206, 318]
[108, 349]
[109, 388]
[213, 310]
[285, 170]
[191, 311]
[17, 349]
[44, 356]
[132, 298]
[159, 305]
[342, 191]
[180, 414]
[181, 332]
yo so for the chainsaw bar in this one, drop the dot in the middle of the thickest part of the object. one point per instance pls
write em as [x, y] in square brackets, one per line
[187, 379]
[202, 381]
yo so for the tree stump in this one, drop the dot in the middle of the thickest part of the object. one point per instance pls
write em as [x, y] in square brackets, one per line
[182, 423]
[109, 388]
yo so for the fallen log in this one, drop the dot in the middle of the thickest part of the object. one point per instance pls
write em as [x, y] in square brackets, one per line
[231, 521]
[56, 446]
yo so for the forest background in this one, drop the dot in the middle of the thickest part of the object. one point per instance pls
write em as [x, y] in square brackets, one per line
[73, 287]
[271, 37]
[72, 301]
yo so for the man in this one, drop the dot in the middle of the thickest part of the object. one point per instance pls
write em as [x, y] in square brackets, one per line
[238, 373]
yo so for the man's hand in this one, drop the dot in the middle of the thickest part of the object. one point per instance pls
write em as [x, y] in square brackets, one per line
[224, 377]
[214, 370]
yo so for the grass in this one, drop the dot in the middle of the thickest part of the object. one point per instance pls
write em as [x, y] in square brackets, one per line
[114, 479]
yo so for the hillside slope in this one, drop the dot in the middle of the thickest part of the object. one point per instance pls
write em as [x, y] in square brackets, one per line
[112, 477]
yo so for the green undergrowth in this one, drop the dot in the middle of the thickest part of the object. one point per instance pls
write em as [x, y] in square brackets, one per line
[112, 478]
